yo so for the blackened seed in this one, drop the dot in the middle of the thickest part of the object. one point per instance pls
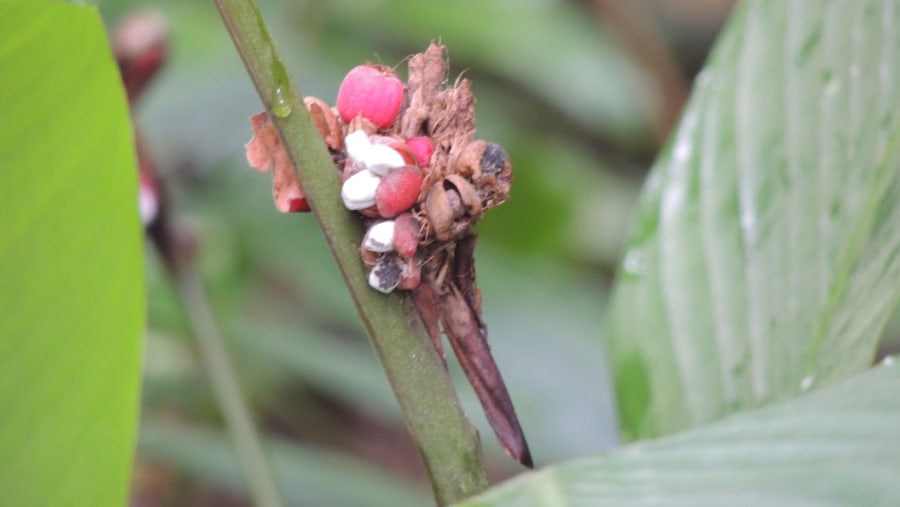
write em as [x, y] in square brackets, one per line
[493, 159]
[388, 271]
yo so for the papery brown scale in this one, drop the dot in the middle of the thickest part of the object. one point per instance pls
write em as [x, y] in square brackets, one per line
[469, 198]
[439, 212]
[426, 77]
[264, 152]
[326, 121]
[468, 161]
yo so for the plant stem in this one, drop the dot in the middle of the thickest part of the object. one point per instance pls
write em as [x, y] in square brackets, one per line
[261, 480]
[447, 441]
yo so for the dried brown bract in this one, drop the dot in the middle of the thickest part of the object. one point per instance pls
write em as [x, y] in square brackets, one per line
[326, 121]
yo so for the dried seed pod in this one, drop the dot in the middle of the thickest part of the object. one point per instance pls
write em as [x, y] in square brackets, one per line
[439, 212]
[488, 166]
[469, 198]
[451, 206]
[325, 120]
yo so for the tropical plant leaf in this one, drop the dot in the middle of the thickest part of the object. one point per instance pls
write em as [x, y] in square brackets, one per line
[836, 446]
[766, 255]
[70, 261]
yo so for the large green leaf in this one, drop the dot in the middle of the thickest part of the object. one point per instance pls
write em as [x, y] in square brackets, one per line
[837, 446]
[766, 256]
[70, 262]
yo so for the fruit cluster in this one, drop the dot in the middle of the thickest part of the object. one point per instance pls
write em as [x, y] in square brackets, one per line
[408, 162]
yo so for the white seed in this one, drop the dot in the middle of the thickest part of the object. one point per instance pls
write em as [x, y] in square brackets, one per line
[358, 192]
[378, 158]
[385, 276]
[357, 144]
[380, 237]
[382, 158]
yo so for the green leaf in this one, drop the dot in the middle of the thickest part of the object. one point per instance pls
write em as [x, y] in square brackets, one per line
[70, 261]
[766, 255]
[837, 446]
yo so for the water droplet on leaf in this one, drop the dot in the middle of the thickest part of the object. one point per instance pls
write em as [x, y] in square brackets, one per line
[281, 102]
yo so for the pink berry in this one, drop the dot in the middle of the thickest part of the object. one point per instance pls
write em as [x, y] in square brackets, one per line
[406, 235]
[375, 92]
[422, 147]
[398, 191]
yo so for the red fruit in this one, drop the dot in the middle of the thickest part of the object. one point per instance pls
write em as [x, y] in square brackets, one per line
[398, 191]
[298, 205]
[374, 92]
[423, 148]
[406, 235]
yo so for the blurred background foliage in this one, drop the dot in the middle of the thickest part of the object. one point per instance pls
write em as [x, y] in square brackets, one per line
[581, 94]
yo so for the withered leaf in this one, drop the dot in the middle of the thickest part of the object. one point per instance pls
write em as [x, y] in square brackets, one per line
[265, 151]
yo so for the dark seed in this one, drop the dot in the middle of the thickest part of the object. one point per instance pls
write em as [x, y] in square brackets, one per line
[493, 159]
[388, 272]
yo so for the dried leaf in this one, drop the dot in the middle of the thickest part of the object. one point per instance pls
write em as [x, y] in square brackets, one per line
[265, 151]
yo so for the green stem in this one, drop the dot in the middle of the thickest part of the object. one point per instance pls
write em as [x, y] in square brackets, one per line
[447, 441]
[263, 489]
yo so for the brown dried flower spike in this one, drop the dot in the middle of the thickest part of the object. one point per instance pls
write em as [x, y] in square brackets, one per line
[413, 170]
